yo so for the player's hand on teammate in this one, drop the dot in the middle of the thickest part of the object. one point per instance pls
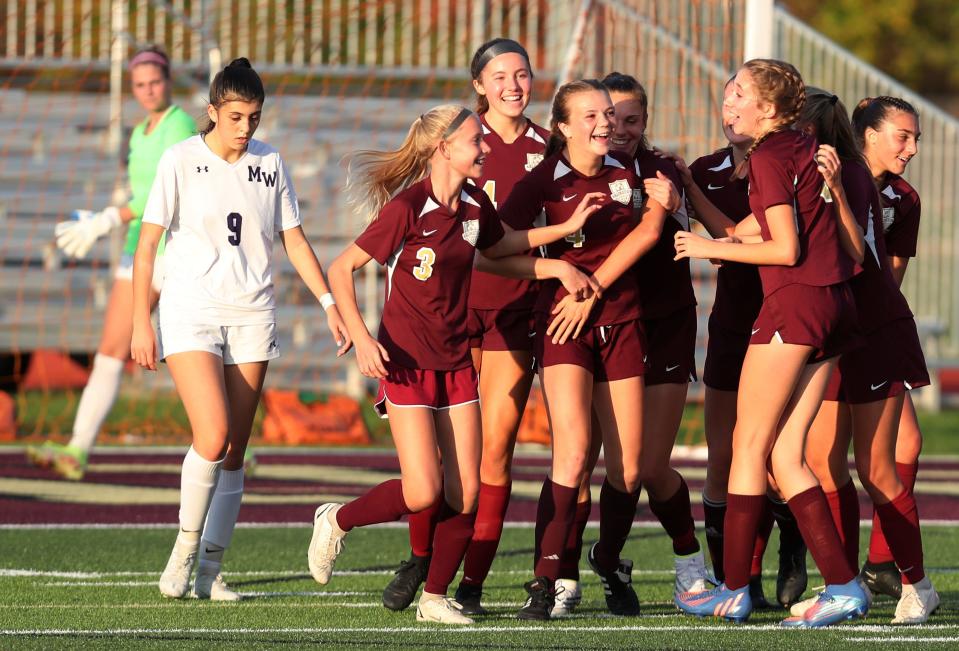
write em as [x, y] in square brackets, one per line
[578, 284]
[371, 357]
[588, 205]
[684, 174]
[690, 245]
[143, 346]
[829, 165]
[340, 334]
[570, 317]
[662, 190]
[76, 236]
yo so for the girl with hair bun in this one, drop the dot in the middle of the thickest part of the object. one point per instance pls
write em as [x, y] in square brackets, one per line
[807, 319]
[426, 225]
[219, 200]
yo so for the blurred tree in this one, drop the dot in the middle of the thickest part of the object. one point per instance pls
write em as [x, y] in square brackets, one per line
[912, 40]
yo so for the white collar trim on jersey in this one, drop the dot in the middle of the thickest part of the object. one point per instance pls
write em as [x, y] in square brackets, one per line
[727, 163]
[464, 196]
[531, 133]
[429, 206]
[889, 192]
[486, 130]
[562, 169]
[612, 162]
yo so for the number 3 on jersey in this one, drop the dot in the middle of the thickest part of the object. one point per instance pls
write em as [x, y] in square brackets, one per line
[427, 258]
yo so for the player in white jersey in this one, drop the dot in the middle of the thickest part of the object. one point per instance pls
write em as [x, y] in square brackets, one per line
[219, 198]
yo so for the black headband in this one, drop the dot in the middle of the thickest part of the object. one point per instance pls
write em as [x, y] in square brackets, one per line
[457, 121]
[503, 47]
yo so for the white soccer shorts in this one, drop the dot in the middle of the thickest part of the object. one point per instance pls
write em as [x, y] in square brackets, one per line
[236, 344]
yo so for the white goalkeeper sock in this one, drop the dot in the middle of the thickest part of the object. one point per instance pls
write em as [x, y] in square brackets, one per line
[198, 481]
[97, 400]
[221, 519]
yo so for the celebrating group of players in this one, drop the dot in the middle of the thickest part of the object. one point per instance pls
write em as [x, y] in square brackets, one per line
[811, 343]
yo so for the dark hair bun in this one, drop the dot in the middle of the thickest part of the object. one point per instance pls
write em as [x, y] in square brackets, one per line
[242, 62]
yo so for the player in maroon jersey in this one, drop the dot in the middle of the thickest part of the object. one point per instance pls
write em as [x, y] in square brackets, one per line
[865, 395]
[427, 236]
[599, 368]
[500, 320]
[887, 129]
[806, 320]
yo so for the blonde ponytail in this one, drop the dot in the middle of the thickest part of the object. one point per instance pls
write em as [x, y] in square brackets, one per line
[374, 177]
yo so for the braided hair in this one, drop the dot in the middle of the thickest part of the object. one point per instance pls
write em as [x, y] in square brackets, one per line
[871, 112]
[780, 84]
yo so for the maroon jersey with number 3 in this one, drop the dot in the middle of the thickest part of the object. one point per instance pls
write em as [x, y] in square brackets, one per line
[739, 292]
[505, 165]
[783, 171]
[900, 217]
[878, 299]
[664, 283]
[556, 188]
[428, 252]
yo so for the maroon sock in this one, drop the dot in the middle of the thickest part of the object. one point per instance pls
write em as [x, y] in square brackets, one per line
[453, 533]
[676, 516]
[879, 551]
[569, 565]
[423, 527]
[844, 508]
[743, 513]
[487, 532]
[382, 503]
[616, 513]
[715, 513]
[811, 510]
[900, 521]
[556, 514]
[790, 538]
[762, 540]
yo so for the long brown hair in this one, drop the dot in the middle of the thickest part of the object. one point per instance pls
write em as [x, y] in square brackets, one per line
[374, 177]
[827, 114]
[617, 82]
[560, 111]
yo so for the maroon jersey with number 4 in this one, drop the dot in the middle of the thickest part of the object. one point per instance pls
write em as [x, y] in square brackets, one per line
[783, 171]
[556, 188]
[878, 299]
[739, 292]
[664, 283]
[900, 217]
[505, 165]
[428, 252]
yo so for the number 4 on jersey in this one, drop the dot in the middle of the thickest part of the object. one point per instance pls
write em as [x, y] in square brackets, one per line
[576, 239]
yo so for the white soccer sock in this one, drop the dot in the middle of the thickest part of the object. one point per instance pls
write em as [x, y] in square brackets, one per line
[198, 481]
[97, 400]
[221, 519]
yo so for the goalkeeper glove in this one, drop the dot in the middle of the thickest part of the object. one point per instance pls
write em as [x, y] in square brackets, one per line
[77, 236]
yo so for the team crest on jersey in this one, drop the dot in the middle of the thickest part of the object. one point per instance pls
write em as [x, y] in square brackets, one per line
[637, 198]
[471, 231]
[620, 191]
[888, 217]
[532, 160]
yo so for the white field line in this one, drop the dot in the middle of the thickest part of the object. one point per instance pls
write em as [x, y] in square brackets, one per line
[384, 525]
[911, 640]
[433, 630]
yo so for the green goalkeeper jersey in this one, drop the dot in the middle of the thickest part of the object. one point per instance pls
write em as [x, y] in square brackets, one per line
[145, 152]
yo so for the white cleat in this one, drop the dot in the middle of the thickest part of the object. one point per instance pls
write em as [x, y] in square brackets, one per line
[918, 602]
[175, 580]
[213, 587]
[691, 574]
[442, 610]
[568, 596]
[326, 544]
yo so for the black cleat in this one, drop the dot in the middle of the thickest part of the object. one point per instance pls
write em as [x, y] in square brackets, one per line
[882, 578]
[468, 596]
[539, 602]
[401, 591]
[757, 595]
[621, 599]
[791, 580]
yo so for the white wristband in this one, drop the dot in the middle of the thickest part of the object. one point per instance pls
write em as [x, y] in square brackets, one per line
[327, 301]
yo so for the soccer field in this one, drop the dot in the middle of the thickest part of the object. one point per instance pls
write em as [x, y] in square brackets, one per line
[96, 588]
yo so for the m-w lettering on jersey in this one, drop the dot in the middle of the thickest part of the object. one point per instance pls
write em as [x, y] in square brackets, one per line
[269, 178]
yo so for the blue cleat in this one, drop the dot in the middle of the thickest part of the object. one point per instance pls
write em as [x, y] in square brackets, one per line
[733, 605]
[837, 603]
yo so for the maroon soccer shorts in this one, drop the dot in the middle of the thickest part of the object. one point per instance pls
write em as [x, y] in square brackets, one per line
[725, 352]
[408, 387]
[890, 363]
[501, 329]
[821, 317]
[613, 352]
[671, 348]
